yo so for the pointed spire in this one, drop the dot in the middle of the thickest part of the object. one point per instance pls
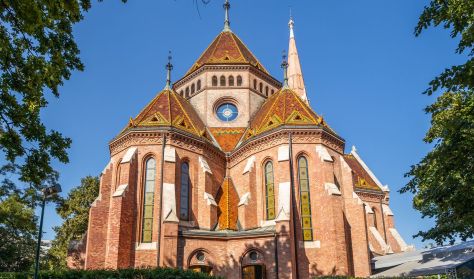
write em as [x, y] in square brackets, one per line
[226, 22]
[168, 67]
[284, 66]
[295, 74]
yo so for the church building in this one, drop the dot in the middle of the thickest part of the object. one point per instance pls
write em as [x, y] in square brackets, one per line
[231, 172]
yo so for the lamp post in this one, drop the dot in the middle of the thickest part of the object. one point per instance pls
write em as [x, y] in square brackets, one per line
[47, 192]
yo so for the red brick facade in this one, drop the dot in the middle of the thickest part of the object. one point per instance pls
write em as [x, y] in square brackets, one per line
[210, 200]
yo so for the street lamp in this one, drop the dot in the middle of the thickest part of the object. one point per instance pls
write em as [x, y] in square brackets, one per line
[47, 192]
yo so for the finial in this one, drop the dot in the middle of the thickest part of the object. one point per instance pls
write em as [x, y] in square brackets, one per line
[291, 24]
[168, 67]
[226, 22]
[284, 66]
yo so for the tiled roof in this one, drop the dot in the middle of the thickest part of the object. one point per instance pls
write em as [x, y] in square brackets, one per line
[227, 137]
[227, 48]
[170, 109]
[283, 108]
[361, 178]
[228, 200]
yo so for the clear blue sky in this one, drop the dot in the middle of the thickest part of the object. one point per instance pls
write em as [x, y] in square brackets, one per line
[363, 67]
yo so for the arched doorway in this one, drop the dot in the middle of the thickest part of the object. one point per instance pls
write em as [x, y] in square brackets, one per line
[253, 266]
[199, 261]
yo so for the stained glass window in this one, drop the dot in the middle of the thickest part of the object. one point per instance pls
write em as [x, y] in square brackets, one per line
[184, 197]
[269, 191]
[148, 200]
[305, 201]
[227, 112]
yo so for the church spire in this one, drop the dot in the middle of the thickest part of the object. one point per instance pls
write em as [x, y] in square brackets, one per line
[168, 67]
[295, 75]
[226, 22]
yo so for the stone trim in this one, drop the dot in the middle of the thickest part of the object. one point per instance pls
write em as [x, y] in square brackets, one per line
[250, 164]
[146, 246]
[244, 200]
[316, 244]
[209, 199]
[129, 155]
[204, 165]
[332, 189]
[119, 192]
[170, 154]
[323, 153]
[283, 153]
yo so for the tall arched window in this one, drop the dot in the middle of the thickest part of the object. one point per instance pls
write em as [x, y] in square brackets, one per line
[214, 81]
[269, 191]
[193, 89]
[239, 81]
[255, 84]
[260, 87]
[222, 81]
[231, 81]
[184, 197]
[198, 85]
[375, 216]
[148, 199]
[181, 93]
[305, 201]
[187, 92]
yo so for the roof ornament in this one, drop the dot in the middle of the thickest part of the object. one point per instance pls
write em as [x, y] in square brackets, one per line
[226, 22]
[168, 67]
[284, 66]
[291, 24]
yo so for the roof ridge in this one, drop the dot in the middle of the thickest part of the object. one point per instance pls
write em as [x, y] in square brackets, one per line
[185, 113]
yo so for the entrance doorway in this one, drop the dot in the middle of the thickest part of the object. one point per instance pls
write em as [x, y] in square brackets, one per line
[253, 272]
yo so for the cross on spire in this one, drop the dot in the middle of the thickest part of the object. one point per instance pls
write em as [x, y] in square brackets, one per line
[168, 67]
[226, 22]
[284, 66]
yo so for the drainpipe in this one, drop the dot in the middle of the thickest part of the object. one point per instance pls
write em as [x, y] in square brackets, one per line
[383, 222]
[293, 202]
[161, 197]
[276, 255]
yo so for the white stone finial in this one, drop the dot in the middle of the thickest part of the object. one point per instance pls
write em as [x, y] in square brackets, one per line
[226, 21]
[291, 24]
[295, 74]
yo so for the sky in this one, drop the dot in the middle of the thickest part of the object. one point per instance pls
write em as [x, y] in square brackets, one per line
[364, 70]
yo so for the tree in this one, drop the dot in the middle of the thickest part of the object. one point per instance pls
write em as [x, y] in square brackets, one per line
[17, 234]
[443, 181]
[74, 210]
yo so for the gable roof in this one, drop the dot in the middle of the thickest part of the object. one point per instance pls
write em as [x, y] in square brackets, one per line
[283, 108]
[170, 109]
[227, 48]
[360, 176]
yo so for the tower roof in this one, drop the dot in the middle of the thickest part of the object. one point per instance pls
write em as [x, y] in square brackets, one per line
[228, 201]
[362, 179]
[170, 109]
[283, 108]
[295, 74]
[227, 48]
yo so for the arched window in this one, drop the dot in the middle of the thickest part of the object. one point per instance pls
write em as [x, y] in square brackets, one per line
[231, 81]
[305, 201]
[187, 92]
[239, 81]
[193, 88]
[375, 217]
[222, 81]
[266, 91]
[255, 84]
[273, 91]
[260, 87]
[181, 93]
[269, 191]
[184, 197]
[148, 199]
[198, 85]
[214, 81]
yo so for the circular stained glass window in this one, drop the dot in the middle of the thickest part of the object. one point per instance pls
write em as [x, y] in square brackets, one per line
[227, 112]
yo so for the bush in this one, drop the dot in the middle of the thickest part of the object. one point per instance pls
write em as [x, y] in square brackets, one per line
[147, 273]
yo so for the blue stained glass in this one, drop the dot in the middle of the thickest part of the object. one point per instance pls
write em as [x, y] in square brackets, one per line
[227, 112]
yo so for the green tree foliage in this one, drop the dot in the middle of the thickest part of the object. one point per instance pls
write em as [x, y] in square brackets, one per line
[75, 211]
[17, 233]
[443, 181]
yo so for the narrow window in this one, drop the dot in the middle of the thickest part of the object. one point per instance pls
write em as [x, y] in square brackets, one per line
[239, 81]
[184, 197]
[375, 217]
[231, 81]
[269, 191]
[273, 91]
[255, 84]
[193, 89]
[260, 87]
[266, 91]
[222, 81]
[214, 81]
[305, 202]
[187, 92]
[198, 85]
[181, 93]
[148, 200]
